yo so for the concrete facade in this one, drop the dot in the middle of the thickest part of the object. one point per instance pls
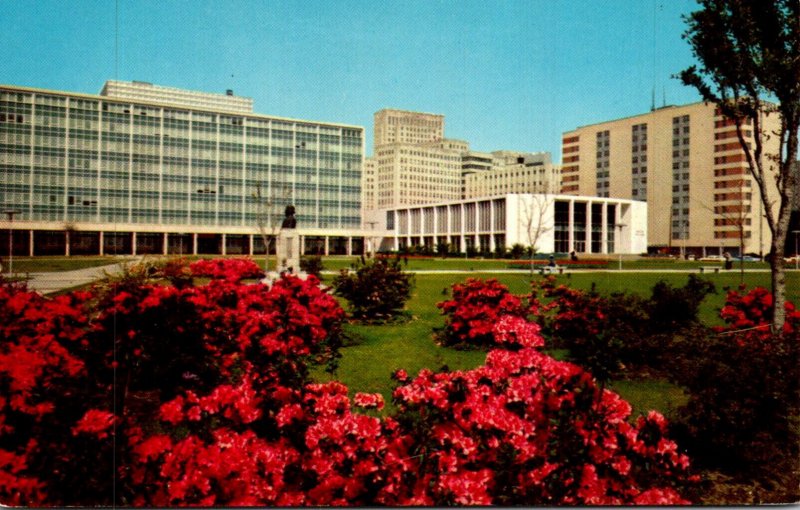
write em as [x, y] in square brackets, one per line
[513, 172]
[552, 223]
[686, 163]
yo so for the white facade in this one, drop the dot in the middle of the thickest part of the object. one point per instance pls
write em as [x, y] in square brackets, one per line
[552, 223]
[513, 172]
[147, 92]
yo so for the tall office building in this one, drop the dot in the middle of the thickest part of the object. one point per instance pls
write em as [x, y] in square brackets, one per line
[686, 163]
[368, 202]
[407, 174]
[404, 127]
[513, 172]
[147, 169]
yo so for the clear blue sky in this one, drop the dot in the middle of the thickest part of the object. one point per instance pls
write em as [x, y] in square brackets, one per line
[506, 74]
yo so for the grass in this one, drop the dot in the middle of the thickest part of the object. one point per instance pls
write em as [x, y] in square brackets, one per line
[367, 366]
[55, 264]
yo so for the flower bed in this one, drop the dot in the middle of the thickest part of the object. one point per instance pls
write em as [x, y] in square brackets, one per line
[577, 264]
[200, 395]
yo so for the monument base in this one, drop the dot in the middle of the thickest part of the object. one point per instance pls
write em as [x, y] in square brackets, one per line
[288, 251]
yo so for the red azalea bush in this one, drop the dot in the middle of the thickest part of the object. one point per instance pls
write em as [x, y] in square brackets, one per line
[526, 429]
[753, 311]
[476, 306]
[200, 395]
[235, 269]
[744, 394]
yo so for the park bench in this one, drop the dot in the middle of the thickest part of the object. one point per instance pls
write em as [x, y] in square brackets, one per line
[551, 270]
[709, 269]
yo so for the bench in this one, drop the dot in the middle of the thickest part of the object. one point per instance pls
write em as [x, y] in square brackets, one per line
[551, 270]
[710, 269]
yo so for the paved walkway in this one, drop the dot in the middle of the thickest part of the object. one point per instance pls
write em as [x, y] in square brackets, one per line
[47, 283]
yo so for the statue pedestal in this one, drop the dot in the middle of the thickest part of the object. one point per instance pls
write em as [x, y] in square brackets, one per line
[288, 250]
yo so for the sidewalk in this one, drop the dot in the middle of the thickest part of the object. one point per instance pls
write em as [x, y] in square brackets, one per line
[47, 283]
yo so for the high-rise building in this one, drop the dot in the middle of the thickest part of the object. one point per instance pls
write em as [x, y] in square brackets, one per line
[687, 163]
[368, 184]
[148, 169]
[513, 172]
[404, 127]
[407, 174]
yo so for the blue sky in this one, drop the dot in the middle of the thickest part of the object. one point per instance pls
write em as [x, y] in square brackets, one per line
[506, 74]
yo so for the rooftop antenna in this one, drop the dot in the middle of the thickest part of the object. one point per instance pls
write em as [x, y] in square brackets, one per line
[655, 38]
[116, 40]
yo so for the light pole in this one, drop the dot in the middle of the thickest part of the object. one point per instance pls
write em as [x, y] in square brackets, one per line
[10, 213]
[618, 242]
[796, 255]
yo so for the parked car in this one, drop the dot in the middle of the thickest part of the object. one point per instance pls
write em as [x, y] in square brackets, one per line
[712, 258]
[747, 258]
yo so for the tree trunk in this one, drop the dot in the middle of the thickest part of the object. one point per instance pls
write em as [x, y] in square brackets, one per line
[777, 265]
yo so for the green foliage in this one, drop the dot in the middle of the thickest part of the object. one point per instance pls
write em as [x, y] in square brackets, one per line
[376, 289]
[749, 64]
[742, 414]
[610, 333]
[671, 307]
[517, 251]
[312, 265]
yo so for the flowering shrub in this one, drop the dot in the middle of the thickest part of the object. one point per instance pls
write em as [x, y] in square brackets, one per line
[608, 334]
[473, 312]
[753, 310]
[199, 395]
[217, 351]
[233, 270]
[744, 389]
[526, 429]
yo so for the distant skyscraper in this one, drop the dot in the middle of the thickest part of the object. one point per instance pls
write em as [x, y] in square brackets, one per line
[512, 172]
[404, 127]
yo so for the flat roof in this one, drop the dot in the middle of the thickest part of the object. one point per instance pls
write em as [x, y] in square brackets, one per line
[109, 99]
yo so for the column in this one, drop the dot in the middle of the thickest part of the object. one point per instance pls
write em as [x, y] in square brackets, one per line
[571, 226]
[30, 244]
[250, 243]
[491, 226]
[589, 227]
[349, 245]
[194, 244]
[224, 245]
[166, 244]
[604, 230]
[327, 245]
[66, 248]
[133, 243]
[102, 252]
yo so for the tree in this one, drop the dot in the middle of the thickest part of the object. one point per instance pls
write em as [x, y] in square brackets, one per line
[749, 54]
[269, 218]
[533, 220]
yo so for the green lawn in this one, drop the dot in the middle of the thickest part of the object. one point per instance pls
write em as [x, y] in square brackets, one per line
[380, 350]
[54, 264]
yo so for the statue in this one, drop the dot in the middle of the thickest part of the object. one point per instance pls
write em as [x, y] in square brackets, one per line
[288, 247]
[289, 221]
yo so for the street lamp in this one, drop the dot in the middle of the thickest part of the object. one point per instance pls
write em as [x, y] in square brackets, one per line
[10, 213]
[796, 255]
[618, 242]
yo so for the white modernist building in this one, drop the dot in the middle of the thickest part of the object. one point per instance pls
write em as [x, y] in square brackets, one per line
[552, 223]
